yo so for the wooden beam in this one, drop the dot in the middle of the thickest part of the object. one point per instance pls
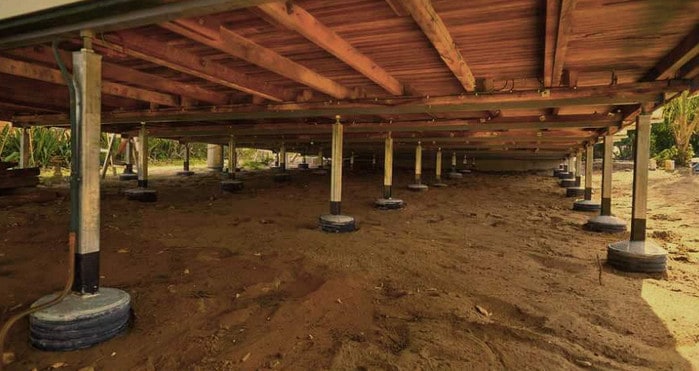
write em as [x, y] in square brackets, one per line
[563, 31]
[517, 123]
[53, 97]
[116, 72]
[296, 18]
[135, 45]
[621, 94]
[37, 72]
[682, 60]
[231, 43]
[553, 9]
[95, 19]
[691, 69]
[569, 79]
[398, 8]
[359, 129]
[22, 96]
[293, 140]
[680, 55]
[436, 31]
[6, 107]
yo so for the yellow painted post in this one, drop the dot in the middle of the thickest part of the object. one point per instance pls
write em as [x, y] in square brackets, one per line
[388, 167]
[336, 171]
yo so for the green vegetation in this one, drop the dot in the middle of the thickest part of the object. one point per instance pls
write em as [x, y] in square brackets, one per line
[681, 119]
[47, 145]
[253, 159]
[674, 138]
[51, 146]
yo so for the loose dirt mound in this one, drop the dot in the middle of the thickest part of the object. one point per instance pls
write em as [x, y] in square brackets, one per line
[493, 272]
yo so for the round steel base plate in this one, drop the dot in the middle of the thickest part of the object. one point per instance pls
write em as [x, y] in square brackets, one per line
[231, 185]
[605, 224]
[389, 203]
[282, 177]
[586, 205]
[80, 321]
[563, 174]
[637, 256]
[418, 187]
[128, 176]
[337, 223]
[141, 194]
[575, 191]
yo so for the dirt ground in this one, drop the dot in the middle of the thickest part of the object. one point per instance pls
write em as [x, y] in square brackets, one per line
[493, 272]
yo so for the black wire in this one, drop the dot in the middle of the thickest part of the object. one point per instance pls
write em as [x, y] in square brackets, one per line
[73, 89]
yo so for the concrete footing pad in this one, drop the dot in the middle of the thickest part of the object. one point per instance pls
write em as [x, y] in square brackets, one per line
[575, 191]
[141, 194]
[128, 176]
[586, 205]
[563, 174]
[389, 203]
[439, 185]
[637, 256]
[231, 185]
[605, 224]
[568, 183]
[282, 177]
[455, 175]
[80, 321]
[337, 223]
[185, 173]
[465, 171]
[418, 187]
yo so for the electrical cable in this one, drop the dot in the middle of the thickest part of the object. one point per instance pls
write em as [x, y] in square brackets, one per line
[74, 211]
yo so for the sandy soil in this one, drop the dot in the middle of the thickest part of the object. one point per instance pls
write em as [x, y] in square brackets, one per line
[493, 272]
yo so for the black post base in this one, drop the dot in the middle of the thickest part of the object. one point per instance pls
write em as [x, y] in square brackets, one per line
[282, 177]
[637, 256]
[337, 223]
[141, 194]
[232, 185]
[80, 321]
[128, 176]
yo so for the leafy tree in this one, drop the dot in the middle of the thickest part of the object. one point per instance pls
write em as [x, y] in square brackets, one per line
[682, 116]
[661, 137]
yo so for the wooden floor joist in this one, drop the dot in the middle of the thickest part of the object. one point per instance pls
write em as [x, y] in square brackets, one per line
[622, 94]
[297, 19]
[41, 73]
[559, 15]
[43, 31]
[561, 122]
[436, 31]
[229, 42]
[670, 65]
[142, 47]
[117, 72]
[205, 69]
